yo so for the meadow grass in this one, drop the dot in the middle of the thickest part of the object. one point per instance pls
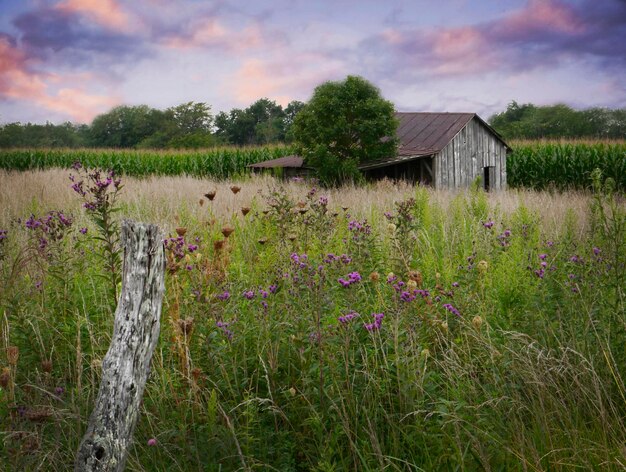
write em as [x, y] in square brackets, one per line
[362, 328]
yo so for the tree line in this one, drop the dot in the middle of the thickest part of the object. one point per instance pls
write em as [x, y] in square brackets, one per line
[528, 121]
[190, 125]
[193, 125]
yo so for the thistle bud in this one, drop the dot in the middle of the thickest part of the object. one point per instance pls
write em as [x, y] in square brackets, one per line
[374, 276]
[13, 354]
[477, 321]
[482, 266]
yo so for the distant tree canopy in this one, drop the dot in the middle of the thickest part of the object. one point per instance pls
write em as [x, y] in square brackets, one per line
[529, 121]
[262, 122]
[343, 124]
[189, 125]
[193, 125]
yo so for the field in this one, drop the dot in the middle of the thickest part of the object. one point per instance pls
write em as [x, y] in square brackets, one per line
[531, 164]
[386, 327]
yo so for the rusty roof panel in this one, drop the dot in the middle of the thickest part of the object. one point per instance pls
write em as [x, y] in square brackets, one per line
[287, 161]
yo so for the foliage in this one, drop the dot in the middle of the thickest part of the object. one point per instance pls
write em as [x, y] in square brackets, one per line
[528, 121]
[262, 122]
[343, 124]
[564, 165]
[307, 338]
[221, 162]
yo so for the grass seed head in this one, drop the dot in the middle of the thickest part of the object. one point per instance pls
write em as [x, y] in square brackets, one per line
[13, 354]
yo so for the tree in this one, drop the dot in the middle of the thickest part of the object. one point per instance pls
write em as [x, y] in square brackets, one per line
[343, 124]
[125, 126]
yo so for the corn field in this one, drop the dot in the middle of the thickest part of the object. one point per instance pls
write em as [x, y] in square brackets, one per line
[540, 165]
[217, 163]
[531, 164]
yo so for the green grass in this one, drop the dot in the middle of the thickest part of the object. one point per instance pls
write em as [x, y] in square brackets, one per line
[528, 376]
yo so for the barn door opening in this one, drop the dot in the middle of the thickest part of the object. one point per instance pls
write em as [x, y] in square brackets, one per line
[488, 178]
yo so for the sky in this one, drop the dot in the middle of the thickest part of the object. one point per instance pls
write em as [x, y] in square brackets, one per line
[70, 60]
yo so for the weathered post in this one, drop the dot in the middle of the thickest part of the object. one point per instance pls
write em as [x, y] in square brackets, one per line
[126, 365]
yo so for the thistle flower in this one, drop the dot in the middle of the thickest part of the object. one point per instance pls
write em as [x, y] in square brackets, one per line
[451, 309]
[477, 321]
[152, 442]
[225, 295]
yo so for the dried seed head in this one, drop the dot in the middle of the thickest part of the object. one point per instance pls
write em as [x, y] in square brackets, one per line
[374, 276]
[391, 228]
[345, 208]
[262, 241]
[425, 352]
[235, 189]
[444, 326]
[227, 231]
[201, 202]
[245, 210]
[172, 268]
[291, 237]
[411, 284]
[292, 391]
[265, 212]
[181, 231]
[13, 354]
[302, 211]
[196, 373]
[482, 266]
[477, 321]
[96, 364]
[186, 326]
[210, 195]
[301, 204]
[219, 244]
[46, 366]
[416, 276]
[40, 414]
[5, 377]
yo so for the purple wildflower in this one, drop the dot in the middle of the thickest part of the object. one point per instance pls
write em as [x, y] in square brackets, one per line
[451, 309]
[152, 442]
[192, 247]
[543, 256]
[224, 296]
[489, 224]
[249, 294]
[378, 321]
[83, 230]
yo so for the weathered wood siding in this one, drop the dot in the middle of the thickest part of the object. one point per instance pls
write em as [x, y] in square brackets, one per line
[463, 159]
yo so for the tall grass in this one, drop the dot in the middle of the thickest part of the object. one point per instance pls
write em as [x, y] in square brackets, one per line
[500, 346]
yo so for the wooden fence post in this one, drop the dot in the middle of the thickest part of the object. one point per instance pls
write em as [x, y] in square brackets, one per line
[126, 365]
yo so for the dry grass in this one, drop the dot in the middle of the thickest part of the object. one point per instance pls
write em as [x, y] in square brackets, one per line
[160, 199]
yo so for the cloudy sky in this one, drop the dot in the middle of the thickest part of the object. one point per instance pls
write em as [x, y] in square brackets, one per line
[69, 60]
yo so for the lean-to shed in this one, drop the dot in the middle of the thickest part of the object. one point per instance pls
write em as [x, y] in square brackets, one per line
[445, 150]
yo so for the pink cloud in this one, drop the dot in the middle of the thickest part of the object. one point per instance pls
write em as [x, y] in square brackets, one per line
[212, 33]
[551, 15]
[289, 78]
[18, 82]
[107, 13]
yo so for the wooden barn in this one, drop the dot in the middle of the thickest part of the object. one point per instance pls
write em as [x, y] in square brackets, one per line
[444, 150]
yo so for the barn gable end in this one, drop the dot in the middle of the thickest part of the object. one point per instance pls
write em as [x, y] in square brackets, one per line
[475, 151]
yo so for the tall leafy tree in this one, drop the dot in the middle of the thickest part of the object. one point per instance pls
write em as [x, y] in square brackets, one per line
[343, 124]
[125, 126]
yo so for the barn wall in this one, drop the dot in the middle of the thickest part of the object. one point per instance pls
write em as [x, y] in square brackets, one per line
[463, 159]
